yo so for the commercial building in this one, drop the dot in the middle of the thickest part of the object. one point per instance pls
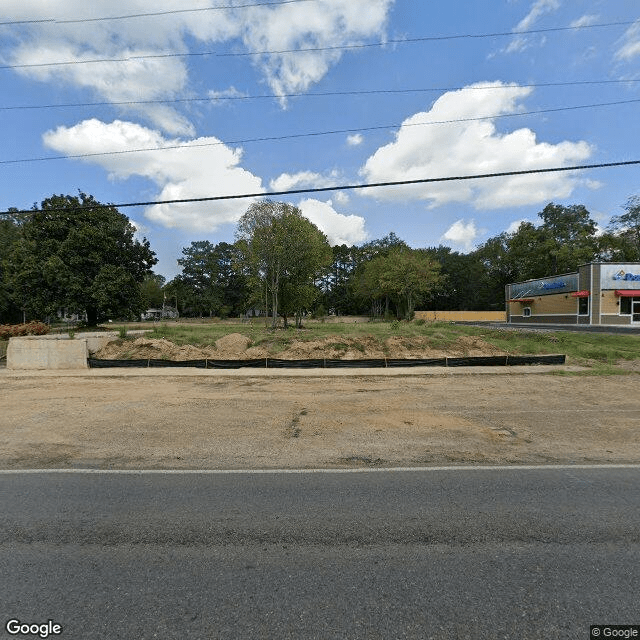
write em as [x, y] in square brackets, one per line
[598, 294]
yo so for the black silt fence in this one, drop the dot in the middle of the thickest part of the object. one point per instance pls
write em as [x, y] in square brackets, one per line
[236, 364]
[322, 363]
[519, 360]
[355, 364]
[275, 363]
[418, 362]
[198, 364]
[478, 361]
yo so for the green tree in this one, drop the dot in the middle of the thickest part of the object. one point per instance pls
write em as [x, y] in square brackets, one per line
[152, 291]
[568, 238]
[231, 278]
[284, 252]
[338, 281]
[565, 239]
[624, 233]
[401, 275]
[462, 286]
[499, 269]
[380, 246]
[310, 253]
[363, 283]
[78, 254]
[201, 295]
[179, 295]
[369, 287]
[10, 233]
[211, 281]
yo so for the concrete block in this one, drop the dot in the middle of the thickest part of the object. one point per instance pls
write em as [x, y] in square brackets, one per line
[32, 352]
[97, 339]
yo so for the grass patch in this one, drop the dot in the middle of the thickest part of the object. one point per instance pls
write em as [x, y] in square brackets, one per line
[582, 348]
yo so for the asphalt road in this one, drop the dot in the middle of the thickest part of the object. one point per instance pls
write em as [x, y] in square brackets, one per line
[502, 553]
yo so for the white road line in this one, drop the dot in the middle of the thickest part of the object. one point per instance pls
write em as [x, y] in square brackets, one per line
[535, 467]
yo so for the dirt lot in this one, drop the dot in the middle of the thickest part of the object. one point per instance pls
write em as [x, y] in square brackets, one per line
[215, 421]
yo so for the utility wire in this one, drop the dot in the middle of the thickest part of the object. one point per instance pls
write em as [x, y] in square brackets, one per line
[354, 92]
[344, 187]
[151, 14]
[317, 49]
[314, 133]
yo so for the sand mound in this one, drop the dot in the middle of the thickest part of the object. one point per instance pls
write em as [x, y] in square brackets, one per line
[234, 343]
[235, 346]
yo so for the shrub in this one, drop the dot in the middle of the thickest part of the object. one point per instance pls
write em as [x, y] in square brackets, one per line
[29, 329]
[319, 313]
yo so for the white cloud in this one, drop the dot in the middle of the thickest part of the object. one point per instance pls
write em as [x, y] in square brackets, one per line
[585, 21]
[462, 234]
[630, 46]
[303, 179]
[338, 228]
[517, 45]
[355, 140]
[192, 171]
[322, 23]
[423, 151]
[515, 225]
[538, 9]
[226, 94]
[141, 230]
[521, 42]
[341, 197]
[131, 79]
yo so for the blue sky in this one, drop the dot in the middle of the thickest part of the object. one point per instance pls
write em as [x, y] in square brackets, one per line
[422, 104]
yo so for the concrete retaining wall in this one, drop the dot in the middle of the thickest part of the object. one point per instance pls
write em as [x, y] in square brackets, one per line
[54, 352]
[58, 351]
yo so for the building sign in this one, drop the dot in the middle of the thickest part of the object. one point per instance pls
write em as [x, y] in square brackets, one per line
[548, 286]
[620, 276]
[545, 286]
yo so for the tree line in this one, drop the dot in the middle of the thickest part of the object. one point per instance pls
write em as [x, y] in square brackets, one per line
[75, 254]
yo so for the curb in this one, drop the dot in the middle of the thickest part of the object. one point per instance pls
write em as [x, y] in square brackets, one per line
[187, 372]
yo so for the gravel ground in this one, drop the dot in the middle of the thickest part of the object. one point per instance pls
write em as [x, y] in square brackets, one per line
[200, 420]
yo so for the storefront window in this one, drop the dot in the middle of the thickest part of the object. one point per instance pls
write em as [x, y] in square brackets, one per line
[583, 306]
[625, 305]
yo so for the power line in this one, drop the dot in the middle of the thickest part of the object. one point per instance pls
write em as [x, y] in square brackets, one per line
[150, 14]
[315, 133]
[344, 187]
[354, 92]
[315, 49]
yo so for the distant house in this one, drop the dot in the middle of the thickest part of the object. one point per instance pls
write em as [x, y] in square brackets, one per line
[64, 315]
[159, 314]
[254, 312]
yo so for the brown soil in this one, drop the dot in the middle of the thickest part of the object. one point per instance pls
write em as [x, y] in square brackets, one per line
[193, 421]
[235, 346]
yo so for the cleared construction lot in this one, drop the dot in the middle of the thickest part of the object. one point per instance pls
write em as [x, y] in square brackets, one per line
[142, 419]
